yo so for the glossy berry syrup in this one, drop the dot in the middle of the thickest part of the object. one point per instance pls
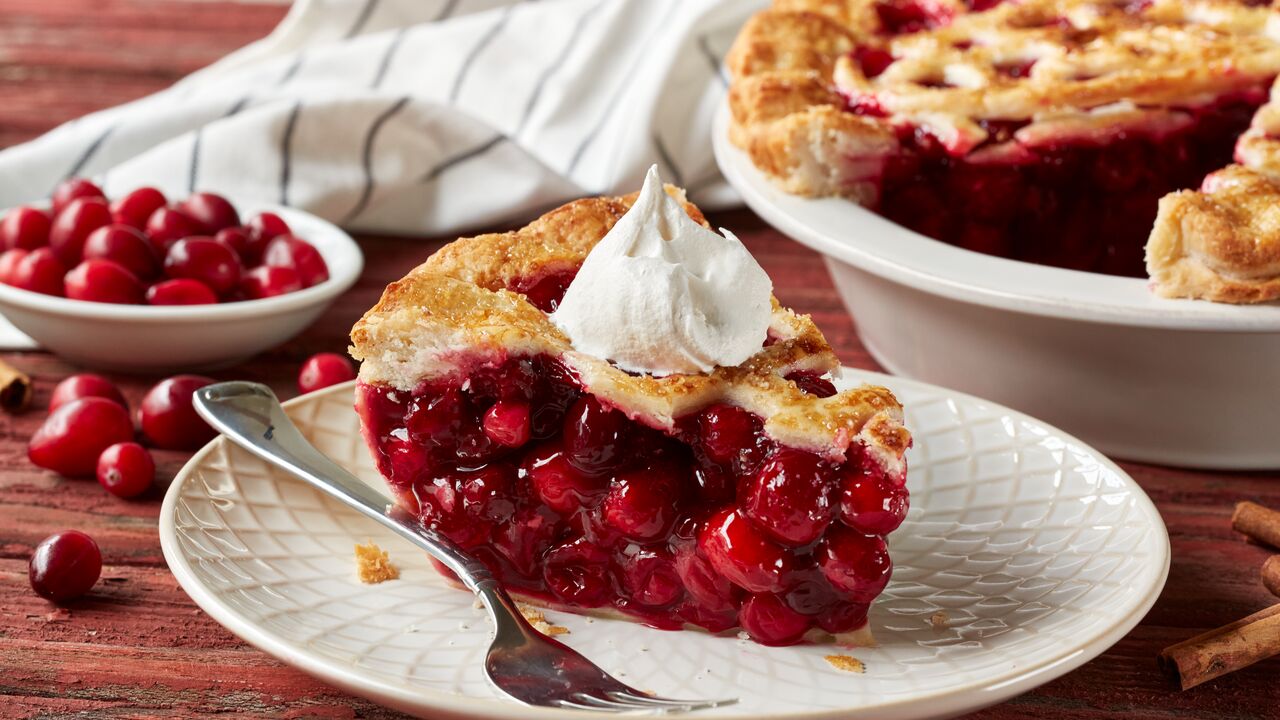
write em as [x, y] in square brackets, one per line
[566, 499]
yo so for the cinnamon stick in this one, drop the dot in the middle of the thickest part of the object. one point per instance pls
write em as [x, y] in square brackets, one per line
[1258, 523]
[15, 388]
[1227, 649]
[1271, 574]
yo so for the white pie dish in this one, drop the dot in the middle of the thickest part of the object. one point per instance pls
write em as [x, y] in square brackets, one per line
[145, 338]
[1178, 382]
[1039, 551]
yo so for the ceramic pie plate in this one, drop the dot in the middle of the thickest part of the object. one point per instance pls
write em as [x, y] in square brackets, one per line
[1169, 381]
[1025, 554]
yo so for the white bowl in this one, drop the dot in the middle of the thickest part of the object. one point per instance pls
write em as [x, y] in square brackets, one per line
[144, 338]
[1179, 382]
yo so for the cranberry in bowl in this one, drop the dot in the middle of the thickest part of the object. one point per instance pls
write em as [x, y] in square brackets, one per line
[144, 283]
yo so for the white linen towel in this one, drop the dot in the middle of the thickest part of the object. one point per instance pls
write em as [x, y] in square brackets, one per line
[421, 117]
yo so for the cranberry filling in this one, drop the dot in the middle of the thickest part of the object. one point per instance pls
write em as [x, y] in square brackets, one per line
[569, 500]
[1073, 205]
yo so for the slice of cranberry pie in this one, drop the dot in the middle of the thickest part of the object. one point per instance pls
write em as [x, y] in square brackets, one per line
[1039, 130]
[752, 496]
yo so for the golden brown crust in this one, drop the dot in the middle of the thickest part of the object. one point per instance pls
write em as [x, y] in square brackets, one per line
[453, 310]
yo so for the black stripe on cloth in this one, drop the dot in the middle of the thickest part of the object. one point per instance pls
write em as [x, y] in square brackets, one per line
[387, 54]
[445, 12]
[555, 65]
[462, 157]
[362, 19]
[475, 50]
[292, 70]
[618, 89]
[713, 60]
[665, 156]
[367, 159]
[286, 152]
[89, 151]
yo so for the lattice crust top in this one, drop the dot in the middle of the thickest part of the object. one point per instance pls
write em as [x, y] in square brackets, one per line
[454, 311]
[1222, 242]
[1064, 66]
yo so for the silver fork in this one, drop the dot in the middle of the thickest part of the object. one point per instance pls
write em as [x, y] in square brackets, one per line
[522, 662]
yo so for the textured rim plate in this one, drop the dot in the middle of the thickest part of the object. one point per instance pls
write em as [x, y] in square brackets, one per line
[849, 232]
[1038, 551]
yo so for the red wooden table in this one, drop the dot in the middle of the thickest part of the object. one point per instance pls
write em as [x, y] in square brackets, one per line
[138, 646]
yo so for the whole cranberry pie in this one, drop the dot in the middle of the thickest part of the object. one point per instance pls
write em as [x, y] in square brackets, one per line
[1040, 130]
[754, 496]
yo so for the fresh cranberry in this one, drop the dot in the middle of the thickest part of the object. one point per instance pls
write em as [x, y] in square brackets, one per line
[206, 260]
[124, 245]
[73, 189]
[546, 291]
[790, 497]
[324, 369]
[137, 207]
[126, 470]
[293, 252]
[72, 226]
[594, 436]
[872, 503]
[743, 554]
[266, 226]
[577, 572]
[813, 383]
[507, 423]
[264, 282]
[168, 418]
[167, 226]
[24, 227]
[726, 431]
[769, 621]
[854, 563]
[65, 566]
[183, 291]
[9, 260]
[649, 576]
[642, 504]
[212, 211]
[85, 385]
[558, 483]
[39, 271]
[73, 436]
[245, 246]
[103, 281]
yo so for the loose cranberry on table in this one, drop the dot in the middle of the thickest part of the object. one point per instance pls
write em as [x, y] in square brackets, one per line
[324, 369]
[26, 228]
[74, 435]
[82, 386]
[183, 291]
[71, 227]
[124, 245]
[135, 208]
[103, 281]
[65, 566]
[126, 470]
[206, 260]
[74, 189]
[167, 417]
[292, 252]
[38, 271]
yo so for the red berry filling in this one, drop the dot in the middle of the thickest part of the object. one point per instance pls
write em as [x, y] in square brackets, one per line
[567, 499]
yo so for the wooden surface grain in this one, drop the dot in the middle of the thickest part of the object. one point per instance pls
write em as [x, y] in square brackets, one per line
[138, 646]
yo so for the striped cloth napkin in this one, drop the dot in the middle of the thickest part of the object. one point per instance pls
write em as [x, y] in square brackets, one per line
[421, 117]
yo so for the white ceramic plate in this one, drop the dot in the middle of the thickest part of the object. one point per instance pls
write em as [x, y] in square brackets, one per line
[1141, 377]
[1039, 552]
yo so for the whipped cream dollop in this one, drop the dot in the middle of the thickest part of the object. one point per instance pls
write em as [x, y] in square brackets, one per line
[661, 294]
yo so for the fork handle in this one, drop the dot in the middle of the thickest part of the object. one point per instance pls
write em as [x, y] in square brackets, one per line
[249, 415]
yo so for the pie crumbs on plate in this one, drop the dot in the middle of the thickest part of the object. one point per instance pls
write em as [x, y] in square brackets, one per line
[847, 663]
[539, 621]
[372, 564]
